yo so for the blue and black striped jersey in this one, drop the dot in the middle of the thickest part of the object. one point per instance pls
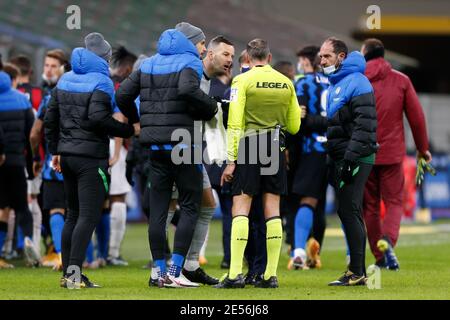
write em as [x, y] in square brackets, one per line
[312, 91]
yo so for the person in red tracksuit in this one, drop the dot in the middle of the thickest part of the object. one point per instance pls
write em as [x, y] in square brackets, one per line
[395, 96]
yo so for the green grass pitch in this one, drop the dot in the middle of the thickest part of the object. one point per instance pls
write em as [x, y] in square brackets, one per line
[423, 252]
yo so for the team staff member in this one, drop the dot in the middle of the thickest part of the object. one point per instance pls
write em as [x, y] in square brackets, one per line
[77, 124]
[351, 145]
[16, 120]
[168, 85]
[262, 101]
[395, 96]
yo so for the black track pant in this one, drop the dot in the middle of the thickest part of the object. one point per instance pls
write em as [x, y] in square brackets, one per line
[13, 194]
[86, 184]
[350, 201]
[319, 222]
[189, 181]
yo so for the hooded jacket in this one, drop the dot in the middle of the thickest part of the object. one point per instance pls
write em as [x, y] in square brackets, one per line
[168, 85]
[79, 115]
[16, 121]
[395, 95]
[351, 112]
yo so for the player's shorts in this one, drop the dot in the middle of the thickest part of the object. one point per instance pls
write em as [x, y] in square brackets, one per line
[53, 195]
[310, 178]
[13, 187]
[119, 184]
[34, 186]
[206, 183]
[252, 180]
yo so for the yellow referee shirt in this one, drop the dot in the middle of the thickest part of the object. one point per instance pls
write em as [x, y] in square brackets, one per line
[260, 98]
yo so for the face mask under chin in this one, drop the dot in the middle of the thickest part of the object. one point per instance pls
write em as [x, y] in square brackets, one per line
[332, 69]
[51, 81]
[329, 70]
[300, 69]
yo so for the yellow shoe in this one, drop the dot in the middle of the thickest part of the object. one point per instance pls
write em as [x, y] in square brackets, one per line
[47, 260]
[202, 260]
[58, 263]
[5, 265]
[290, 265]
[50, 260]
[312, 251]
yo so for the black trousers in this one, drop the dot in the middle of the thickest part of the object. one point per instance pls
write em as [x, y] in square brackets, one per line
[189, 181]
[13, 194]
[319, 221]
[86, 184]
[350, 202]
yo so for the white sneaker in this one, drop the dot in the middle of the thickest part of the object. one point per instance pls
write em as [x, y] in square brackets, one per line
[299, 261]
[179, 282]
[188, 282]
[31, 255]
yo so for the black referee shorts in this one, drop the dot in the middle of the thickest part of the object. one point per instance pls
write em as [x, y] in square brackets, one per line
[250, 178]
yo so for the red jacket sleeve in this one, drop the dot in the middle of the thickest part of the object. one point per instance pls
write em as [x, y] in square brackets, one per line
[416, 117]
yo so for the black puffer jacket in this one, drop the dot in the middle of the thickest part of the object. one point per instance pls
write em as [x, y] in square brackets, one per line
[168, 84]
[2, 141]
[16, 120]
[352, 119]
[79, 116]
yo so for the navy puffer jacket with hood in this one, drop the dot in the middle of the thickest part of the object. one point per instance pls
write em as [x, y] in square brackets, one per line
[79, 115]
[352, 119]
[16, 120]
[168, 85]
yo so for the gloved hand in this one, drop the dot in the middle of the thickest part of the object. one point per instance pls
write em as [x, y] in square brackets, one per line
[348, 172]
[129, 173]
[422, 167]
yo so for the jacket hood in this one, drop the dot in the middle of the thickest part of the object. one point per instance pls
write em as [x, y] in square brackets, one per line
[5, 82]
[377, 69]
[174, 42]
[85, 61]
[354, 62]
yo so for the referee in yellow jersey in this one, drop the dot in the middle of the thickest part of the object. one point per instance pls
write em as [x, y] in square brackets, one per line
[263, 105]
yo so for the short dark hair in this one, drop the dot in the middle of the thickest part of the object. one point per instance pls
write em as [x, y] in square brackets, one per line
[310, 53]
[23, 63]
[258, 49]
[218, 40]
[283, 67]
[121, 56]
[57, 54]
[12, 70]
[1, 63]
[373, 48]
[338, 45]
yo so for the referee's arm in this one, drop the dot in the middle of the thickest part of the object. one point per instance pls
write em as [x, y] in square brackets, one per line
[293, 114]
[236, 122]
